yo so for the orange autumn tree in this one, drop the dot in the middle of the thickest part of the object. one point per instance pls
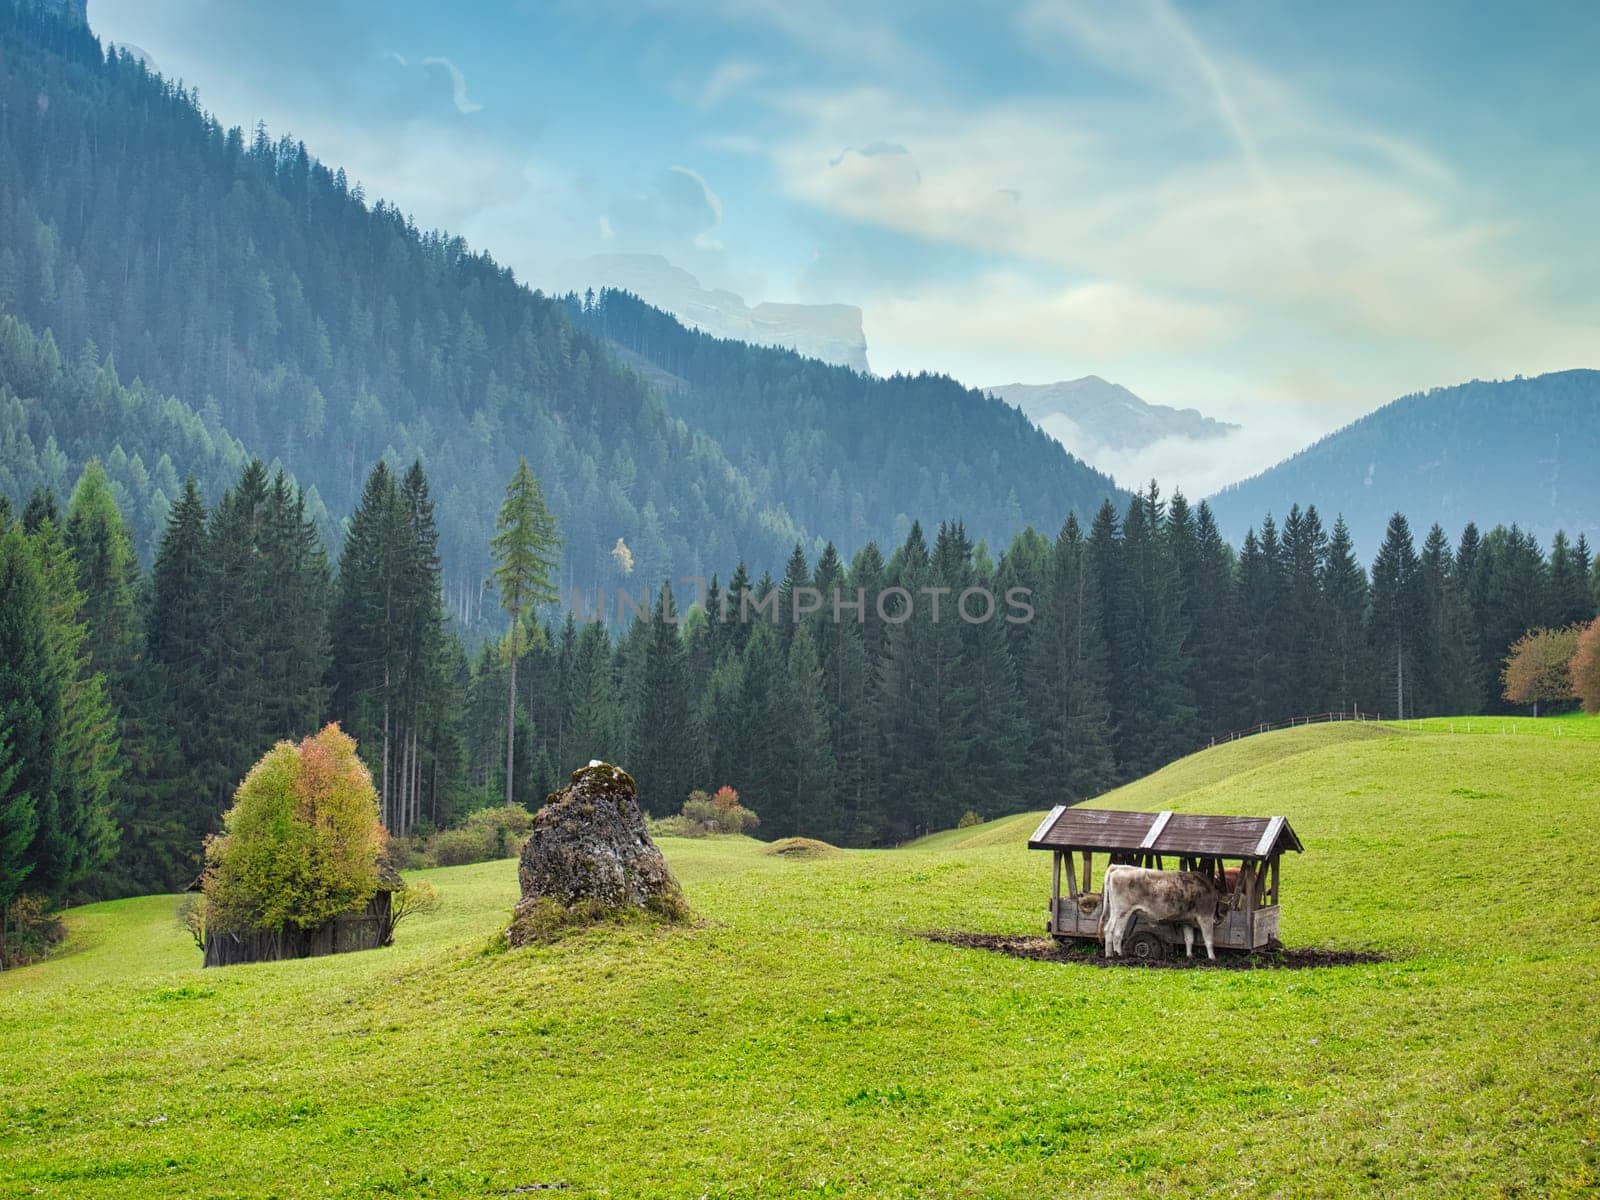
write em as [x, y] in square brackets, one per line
[302, 842]
[1585, 667]
[1537, 670]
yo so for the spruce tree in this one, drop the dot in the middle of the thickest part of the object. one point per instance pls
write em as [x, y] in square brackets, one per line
[592, 702]
[661, 758]
[77, 832]
[729, 615]
[30, 714]
[998, 732]
[420, 620]
[908, 701]
[485, 724]
[177, 648]
[365, 641]
[1256, 674]
[1301, 627]
[1156, 712]
[725, 725]
[804, 797]
[1208, 609]
[867, 579]
[950, 681]
[756, 771]
[107, 574]
[1066, 679]
[1515, 599]
[1397, 616]
[41, 507]
[1570, 602]
[1344, 644]
[235, 707]
[796, 576]
[847, 686]
[445, 762]
[1446, 653]
[1026, 564]
[157, 853]
[293, 577]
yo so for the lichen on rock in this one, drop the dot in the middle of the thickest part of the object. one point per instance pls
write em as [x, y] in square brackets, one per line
[589, 858]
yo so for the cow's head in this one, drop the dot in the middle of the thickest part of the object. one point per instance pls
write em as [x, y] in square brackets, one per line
[1224, 900]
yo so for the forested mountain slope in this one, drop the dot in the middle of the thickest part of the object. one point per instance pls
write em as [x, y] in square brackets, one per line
[254, 283]
[1518, 451]
[56, 415]
[859, 456]
[311, 327]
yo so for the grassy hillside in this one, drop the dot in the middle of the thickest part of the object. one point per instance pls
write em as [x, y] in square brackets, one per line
[802, 1040]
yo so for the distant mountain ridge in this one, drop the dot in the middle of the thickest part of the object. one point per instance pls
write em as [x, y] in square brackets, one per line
[841, 446]
[1092, 413]
[830, 332]
[1518, 451]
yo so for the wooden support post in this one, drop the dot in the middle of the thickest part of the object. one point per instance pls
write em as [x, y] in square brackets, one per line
[1055, 892]
[1088, 871]
[1072, 875]
[1248, 877]
[1274, 892]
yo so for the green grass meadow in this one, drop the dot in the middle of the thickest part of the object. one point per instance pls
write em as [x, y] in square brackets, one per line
[801, 1039]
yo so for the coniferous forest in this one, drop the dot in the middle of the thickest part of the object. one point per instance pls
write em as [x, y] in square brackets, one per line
[133, 701]
[255, 442]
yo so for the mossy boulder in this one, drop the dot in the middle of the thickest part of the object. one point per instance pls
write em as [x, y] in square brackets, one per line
[589, 859]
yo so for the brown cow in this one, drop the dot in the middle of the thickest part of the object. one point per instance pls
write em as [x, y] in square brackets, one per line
[1185, 898]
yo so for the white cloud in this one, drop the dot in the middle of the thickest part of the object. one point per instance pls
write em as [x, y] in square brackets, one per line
[1216, 185]
[1013, 316]
[458, 84]
[705, 239]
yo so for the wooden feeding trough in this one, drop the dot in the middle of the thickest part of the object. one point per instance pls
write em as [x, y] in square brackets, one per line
[1166, 840]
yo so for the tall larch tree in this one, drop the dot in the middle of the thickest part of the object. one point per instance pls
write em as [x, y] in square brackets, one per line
[527, 550]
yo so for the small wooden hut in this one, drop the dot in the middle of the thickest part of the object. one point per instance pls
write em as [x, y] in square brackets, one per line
[364, 928]
[1183, 841]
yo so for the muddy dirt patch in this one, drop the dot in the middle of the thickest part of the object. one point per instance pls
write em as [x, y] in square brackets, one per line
[1045, 949]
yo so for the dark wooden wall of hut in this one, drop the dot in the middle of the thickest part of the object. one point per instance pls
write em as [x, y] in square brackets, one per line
[366, 929]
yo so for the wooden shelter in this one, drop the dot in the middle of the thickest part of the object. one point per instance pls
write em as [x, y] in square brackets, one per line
[1181, 841]
[364, 928]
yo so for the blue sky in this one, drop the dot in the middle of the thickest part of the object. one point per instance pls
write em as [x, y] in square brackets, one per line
[1283, 215]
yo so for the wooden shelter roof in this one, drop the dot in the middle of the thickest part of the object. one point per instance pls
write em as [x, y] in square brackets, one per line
[1164, 833]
